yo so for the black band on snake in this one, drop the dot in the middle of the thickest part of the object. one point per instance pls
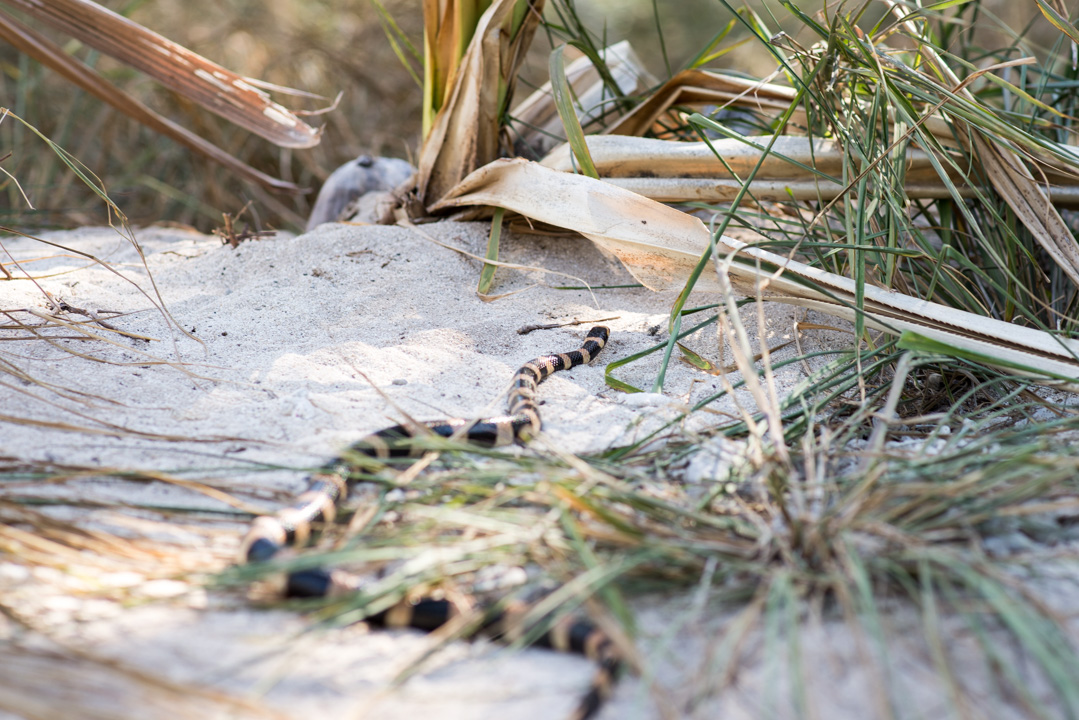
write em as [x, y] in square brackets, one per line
[329, 486]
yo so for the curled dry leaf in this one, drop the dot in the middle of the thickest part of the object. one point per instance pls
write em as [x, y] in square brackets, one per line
[707, 89]
[700, 87]
[661, 246]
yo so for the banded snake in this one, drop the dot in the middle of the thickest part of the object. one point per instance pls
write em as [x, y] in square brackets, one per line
[326, 488]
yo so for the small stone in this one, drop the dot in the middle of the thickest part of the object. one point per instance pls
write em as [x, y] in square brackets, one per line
[400, 381]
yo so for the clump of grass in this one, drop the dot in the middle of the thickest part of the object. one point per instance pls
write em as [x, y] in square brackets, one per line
[895, 475]
[851, 520]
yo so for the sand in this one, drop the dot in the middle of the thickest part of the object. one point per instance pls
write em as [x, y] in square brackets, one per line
[293, 347]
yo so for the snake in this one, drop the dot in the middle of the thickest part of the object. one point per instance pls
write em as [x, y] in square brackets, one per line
[327, 487]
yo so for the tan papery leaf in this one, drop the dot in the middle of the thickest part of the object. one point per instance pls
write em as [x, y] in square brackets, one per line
[661, 246]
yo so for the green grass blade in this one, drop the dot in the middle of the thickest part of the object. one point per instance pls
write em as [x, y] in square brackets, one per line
[563, 99]
[1060, 22]
[487, 275]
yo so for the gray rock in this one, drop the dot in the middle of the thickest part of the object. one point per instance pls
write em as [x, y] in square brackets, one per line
[350, 182]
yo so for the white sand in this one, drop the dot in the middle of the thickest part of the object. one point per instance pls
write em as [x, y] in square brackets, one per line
[289, 328]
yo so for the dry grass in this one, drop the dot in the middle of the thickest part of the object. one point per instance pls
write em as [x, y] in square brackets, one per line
[834, 507]
[322, 47]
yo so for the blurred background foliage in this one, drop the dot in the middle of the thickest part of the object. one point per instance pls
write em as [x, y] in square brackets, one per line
[323, 47]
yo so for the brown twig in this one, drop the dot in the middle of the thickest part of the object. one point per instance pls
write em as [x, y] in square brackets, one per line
[524, 330]
[228, 234]
[94, 315]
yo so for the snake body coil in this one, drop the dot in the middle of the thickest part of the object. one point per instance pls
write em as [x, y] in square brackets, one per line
[329, 486]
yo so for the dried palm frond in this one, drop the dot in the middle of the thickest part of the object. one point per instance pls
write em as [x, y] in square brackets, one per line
[788, 167]
[223, 92]
[234, 98]
[466, 133]
[661, 246]
[703, 88]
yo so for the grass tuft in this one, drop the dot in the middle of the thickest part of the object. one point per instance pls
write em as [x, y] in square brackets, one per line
[901, 481]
